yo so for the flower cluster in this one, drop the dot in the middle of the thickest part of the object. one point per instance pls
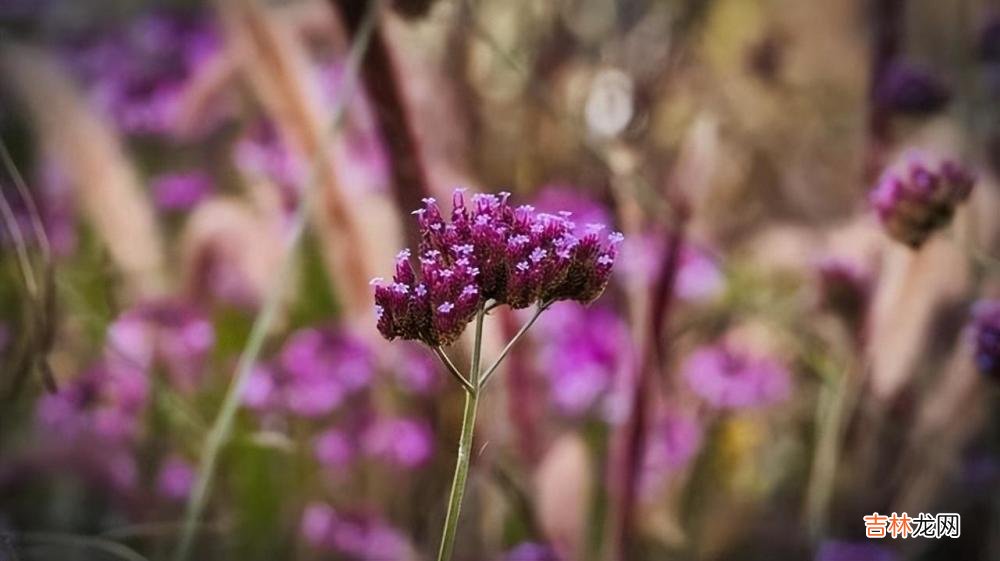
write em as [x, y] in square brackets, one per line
[913, 204]
[729, 378]
[138, 74]
[163, 334]
[316, 371]
[491, 251]
[985, 334]
[584, 353]
[352, 536]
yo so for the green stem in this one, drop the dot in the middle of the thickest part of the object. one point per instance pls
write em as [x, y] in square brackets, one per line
[510, 345]
[464, 448]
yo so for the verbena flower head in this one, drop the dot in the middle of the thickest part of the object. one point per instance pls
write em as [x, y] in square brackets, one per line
[914, 202]
[730, 378]
[489, 250]
[985, 334]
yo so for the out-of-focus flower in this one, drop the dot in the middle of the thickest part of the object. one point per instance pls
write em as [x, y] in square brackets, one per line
[582, 351]
[333, 449]
[315, 371]
[260, 152]
[416, 369]
[514, 256]
[844, 288]
[320, 367]
[698, 275]
[530, 551]
[407, 443]
[103, 404]
[166, 333]
[985, 333]
[912, 204]
[180, 191]
[673, 441]
[175, 479]
[730, 378]
[362, 537]
[911, 89]
[833, 550]
[138, 74]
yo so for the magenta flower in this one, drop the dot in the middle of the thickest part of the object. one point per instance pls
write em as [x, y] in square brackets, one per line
[731, 379]
[138, 74]
[165, 333]
[913, 204]
[583, 352]
[103, 404]
[334, 449]
[175, 479]
[492, 251]
[360, 537]
[416, 370]
[316, 370]
[406, 443]
[985, 333]
[180, 191]
[673, 441]
[320, 368]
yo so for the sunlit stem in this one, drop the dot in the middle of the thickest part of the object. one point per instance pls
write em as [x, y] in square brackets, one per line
[464, 447]
[506, 350]
[453, 370]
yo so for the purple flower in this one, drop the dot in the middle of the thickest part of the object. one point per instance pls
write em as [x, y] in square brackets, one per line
[407, 443]
[514, 256]
[913, 204]
[583, 351]
[138, 73]
[362, 537]
[333, 449]
[416, 370]
[180, 191]
[167, 333]
[985, 334]
[103, 404]
[911, 89]
[260, 152]
[316, 370]
[321, 367]
[836, 550]
[729, 378]
[698, 275]
[530, 551]
[673, 441]
[175, 479]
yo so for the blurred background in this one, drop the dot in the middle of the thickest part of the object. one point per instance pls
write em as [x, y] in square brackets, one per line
[184, 181]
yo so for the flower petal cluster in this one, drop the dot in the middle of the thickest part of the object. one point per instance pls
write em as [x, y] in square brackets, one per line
[352, 536]
[730, 378]
[912, 204]
[489, 250]
[985, 332]
[316, 370]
